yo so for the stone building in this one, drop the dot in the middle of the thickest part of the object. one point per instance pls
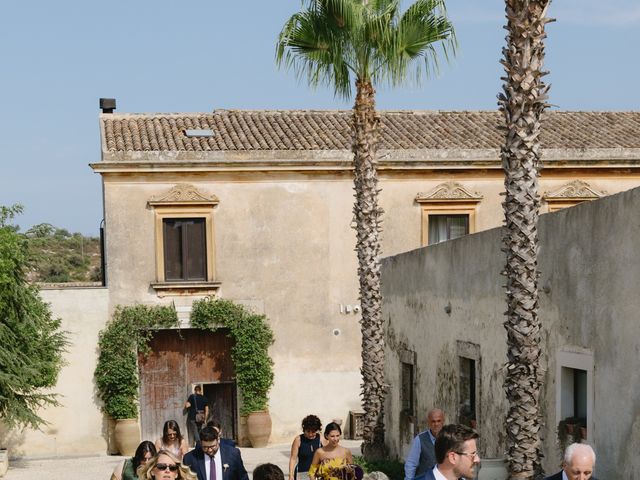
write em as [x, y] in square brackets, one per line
[255, 206]
[446, 345]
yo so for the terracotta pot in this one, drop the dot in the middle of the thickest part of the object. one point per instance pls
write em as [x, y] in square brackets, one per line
[493, 469]
[259, 428]
[126, 436]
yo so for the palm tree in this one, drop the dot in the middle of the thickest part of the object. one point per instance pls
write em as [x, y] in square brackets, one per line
[523, 102]
[337, 42]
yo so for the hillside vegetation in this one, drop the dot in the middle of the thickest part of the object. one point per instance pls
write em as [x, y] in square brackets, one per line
[57, 256]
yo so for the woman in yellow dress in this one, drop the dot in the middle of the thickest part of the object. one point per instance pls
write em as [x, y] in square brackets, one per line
[332, 454]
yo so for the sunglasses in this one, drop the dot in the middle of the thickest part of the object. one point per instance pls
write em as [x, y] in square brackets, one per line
[163, 466]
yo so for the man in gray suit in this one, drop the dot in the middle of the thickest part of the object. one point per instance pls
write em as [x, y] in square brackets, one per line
[422, 456]
[578, 464]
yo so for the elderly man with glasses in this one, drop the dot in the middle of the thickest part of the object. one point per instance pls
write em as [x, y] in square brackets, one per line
[456, 454]
[215, 461]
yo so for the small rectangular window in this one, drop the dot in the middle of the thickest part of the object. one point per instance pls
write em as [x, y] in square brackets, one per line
[467, 402]
[447, 227]
[185, 252]
[407, 394]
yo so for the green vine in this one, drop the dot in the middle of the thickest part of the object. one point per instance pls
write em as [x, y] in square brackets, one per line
[250, 354]
[127, 333]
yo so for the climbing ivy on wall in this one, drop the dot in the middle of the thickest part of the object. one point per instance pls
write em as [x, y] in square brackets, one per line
[250, 354]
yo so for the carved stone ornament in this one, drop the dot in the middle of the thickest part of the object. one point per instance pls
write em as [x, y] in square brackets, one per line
[449, 192]
[576, 190]
[183, 194]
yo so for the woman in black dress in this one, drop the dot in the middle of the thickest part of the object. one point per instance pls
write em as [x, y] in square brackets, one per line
[304, 446]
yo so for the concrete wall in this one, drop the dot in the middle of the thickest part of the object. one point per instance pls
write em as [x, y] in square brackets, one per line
[589, 304]
[76, 426]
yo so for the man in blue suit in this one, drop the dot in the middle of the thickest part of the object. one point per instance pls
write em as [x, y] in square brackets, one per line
[456, 454]
[579, 462]
[215, 461]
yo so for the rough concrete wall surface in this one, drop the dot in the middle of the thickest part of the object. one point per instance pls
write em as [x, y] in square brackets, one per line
[76, 426]
[589, 303]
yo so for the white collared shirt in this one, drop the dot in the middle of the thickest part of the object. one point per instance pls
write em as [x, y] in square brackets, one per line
[437, 474]
[218, 461]
[564, 475]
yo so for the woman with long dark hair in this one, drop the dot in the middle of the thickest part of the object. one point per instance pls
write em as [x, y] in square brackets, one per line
[128, 468]
[331, 451]
[172, 440]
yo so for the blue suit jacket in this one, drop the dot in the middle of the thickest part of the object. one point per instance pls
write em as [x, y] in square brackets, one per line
[229, 456]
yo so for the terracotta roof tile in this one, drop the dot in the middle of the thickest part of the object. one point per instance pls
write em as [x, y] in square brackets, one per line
[330, 130]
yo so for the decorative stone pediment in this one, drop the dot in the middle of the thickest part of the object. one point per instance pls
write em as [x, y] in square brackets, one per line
[183, 194]
[449, 192]
[576, 190]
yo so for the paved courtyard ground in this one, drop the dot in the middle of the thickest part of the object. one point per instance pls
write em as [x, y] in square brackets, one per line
[100, 467]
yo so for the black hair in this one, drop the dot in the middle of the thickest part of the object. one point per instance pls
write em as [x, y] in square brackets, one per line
[451, 438]
[330, 428]
[214, 423]
[143, 448]
[208, 434]
[268, 471]
[311, 422]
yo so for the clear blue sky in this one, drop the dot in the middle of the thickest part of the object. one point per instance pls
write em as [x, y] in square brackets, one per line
[60, 57]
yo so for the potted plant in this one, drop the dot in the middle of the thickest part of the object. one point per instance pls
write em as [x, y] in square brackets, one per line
[250, 354]
[116, 374]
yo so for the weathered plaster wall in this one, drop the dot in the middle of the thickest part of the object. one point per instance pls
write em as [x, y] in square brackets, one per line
[76, 426]
[284, 245]
[589, 303]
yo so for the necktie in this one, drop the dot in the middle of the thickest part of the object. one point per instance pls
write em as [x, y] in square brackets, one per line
[212, 469]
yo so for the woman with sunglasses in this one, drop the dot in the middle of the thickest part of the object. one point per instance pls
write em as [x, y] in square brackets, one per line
[172, 440]
[166, 466]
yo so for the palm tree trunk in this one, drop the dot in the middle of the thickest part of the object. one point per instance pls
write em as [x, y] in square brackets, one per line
[523, 103]
[367, 219]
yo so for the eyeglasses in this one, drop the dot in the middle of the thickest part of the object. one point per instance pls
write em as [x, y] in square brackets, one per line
[163, 466]
[209, 447]
[471, 455]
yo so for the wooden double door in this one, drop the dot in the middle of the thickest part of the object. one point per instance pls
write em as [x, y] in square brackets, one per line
[178, 360]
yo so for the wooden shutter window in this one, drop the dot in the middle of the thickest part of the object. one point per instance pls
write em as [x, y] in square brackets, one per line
[185, 254]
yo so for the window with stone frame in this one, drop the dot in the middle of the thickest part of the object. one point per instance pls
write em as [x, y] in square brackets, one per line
[448, 212]
[184, 240]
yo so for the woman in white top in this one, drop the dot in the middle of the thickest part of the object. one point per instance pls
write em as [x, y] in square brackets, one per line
[172, 440]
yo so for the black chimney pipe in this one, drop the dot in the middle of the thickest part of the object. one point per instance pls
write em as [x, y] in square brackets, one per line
[108, 105]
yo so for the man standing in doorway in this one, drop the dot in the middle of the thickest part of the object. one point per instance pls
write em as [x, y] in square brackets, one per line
[422, 455]
[197, 407]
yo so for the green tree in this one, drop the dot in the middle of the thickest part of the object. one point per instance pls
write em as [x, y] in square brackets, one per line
[57, 256]
[31, 341]
[522, 102]
[365, 42]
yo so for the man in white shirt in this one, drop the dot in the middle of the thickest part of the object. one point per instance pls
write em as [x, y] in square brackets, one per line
[456, 453]
[215, 461]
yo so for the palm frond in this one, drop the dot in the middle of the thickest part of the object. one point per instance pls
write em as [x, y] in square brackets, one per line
[334, 42]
